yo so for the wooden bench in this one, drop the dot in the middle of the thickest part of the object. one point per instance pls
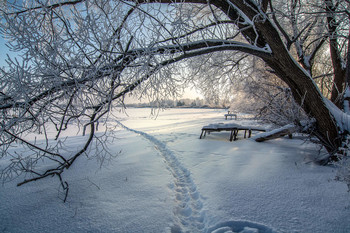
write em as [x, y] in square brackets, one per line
[230, 115]
[233, 128]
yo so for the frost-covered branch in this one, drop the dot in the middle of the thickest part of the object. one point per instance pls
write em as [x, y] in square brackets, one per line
[41, 6]
[78, 60]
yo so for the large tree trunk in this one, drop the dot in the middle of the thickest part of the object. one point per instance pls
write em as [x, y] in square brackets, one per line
[339, 74]
[305, 91]
[347, 80]
[307, 95]
[339, 71]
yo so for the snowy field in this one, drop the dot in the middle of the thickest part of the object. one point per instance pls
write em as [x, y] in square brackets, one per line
[166, 179]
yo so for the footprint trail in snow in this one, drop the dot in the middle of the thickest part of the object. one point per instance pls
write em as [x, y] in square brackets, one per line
[189, 214]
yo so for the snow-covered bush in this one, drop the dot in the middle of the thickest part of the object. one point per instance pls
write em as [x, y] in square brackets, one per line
[343, 171]
[343, 165]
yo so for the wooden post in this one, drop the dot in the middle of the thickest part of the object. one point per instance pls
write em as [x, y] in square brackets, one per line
[232, 135]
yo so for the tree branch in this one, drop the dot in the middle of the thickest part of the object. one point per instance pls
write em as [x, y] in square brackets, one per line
[49, 7]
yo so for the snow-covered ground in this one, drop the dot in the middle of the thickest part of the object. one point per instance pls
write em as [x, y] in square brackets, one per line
[166, 179]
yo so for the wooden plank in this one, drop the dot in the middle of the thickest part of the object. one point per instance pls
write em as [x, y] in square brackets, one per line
[277, 133]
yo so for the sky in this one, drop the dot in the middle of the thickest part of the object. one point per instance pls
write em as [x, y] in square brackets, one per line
[192, 93]
[3, 51]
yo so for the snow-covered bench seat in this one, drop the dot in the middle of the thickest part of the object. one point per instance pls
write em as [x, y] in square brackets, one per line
[232, 127]
[230, 115]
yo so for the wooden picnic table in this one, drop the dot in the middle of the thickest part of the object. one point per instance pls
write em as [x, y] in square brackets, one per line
[233, 128]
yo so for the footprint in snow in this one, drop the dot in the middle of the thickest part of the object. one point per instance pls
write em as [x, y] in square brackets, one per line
[188, 211]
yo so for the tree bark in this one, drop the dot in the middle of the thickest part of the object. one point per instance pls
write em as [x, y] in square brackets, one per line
[347, 80]
[339, 71]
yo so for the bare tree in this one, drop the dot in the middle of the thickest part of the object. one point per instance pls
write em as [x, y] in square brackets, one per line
[80, 58]
[287, 42]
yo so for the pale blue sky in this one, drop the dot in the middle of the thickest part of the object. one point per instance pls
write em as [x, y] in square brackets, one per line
[3, 51]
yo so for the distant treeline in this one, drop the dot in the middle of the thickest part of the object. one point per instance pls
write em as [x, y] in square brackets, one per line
[181, 103]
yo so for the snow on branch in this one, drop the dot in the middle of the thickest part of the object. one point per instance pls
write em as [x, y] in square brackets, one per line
[46, 7]
[210, 44]
[246, 20]
[342, 119]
